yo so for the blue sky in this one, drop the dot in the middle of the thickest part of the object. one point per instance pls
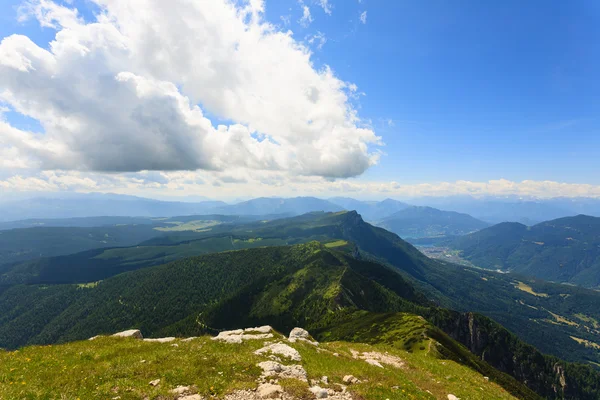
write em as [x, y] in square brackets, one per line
[476, 90]
[461, 90]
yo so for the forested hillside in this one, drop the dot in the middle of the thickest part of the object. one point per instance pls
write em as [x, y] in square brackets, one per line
[561, 250]
[558, 319]
[304, 285]
[24, 244]
[40, 238]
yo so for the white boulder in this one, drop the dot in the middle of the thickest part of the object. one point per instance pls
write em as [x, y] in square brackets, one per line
[260, 329]
[272, 368]
[319, 392]
[160, 340]
[180, 390]
[268, 391]
[131, 333]
[280, 349]
[301, 334]
[348, 379]
[239, 335]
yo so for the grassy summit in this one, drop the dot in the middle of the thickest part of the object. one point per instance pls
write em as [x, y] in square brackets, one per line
[108, 368]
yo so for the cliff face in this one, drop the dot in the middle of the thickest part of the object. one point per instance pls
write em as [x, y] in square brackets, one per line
[546, 375]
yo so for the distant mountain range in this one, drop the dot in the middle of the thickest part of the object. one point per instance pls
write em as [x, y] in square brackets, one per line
[490, 210]
[513, 209]
[428, 222]
[278, 205]
[561, 250]
[94, 205]
[370, 210]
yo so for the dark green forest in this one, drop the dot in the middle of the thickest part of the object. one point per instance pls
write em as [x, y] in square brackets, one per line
[304, 285]
[548, 322]
[562, 250]
[327, 270]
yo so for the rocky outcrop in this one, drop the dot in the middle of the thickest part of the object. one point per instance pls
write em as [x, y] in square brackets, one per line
[160, 340]
[280, 349]
[268, 390]
[299, 334]
[375, 358]
[278, 370]
[239, 335]
[132, 333]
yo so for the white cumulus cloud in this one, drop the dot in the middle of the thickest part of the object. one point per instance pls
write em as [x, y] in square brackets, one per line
[363, 17]
[306, 18]
[221, 184]
[130, 91]
[325, 6]
[318, 39]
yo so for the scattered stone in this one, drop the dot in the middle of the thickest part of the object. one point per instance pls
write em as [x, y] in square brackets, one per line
[373, 362]
[280, 349]
[160, 340]
[325, 380]
[452, 397]
[301, 334]
[487, 378]
[268, 390]
[375, 358]
[132, 333]
[154, 382]
[174, 345]
[319, 392]
[189, 339]
[230, 336]
[238, 335]
[260, 329]
[191, 397]
[348, 379]
[259, 336]
[272, 368]
[94, 337]
[241, 395]
[181, 390]
[143, 361]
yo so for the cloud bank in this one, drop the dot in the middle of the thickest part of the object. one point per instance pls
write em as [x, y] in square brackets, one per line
[233, 184]
[133, 90]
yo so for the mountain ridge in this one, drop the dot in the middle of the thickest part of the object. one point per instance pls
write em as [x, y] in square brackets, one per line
[423, 222]
[306, 285]
[562, 250]
[505, 298]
